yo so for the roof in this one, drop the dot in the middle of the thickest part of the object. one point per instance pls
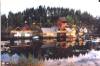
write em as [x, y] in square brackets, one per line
[62, 19]
[52, 29]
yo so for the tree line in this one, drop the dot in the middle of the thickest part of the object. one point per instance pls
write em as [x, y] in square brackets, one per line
[47, 17]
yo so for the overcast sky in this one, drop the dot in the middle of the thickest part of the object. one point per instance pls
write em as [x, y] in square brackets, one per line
[91, 6]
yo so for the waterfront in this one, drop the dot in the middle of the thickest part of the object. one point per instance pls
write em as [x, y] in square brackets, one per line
[50, 36]
[47, 47]
[91, 58]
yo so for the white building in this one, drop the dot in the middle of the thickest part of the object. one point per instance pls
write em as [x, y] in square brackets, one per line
[49, 32]
[21, 33]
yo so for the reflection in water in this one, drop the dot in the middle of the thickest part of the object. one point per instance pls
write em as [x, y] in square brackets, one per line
[51, 52]
[49, 48]
[92, 58]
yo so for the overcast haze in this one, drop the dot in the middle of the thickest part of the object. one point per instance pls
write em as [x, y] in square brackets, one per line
[91, 6]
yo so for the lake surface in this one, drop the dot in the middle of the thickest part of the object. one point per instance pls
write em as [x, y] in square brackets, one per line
[45, 48]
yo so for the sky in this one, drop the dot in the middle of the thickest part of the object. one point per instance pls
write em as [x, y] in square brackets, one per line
[91, 6]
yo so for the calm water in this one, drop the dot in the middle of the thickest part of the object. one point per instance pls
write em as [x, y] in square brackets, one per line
[52, 52]
[45, 48]
[91, 58]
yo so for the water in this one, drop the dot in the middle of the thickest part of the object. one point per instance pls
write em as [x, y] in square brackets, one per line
[52, 53]
[45, 48]
[82, 60]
